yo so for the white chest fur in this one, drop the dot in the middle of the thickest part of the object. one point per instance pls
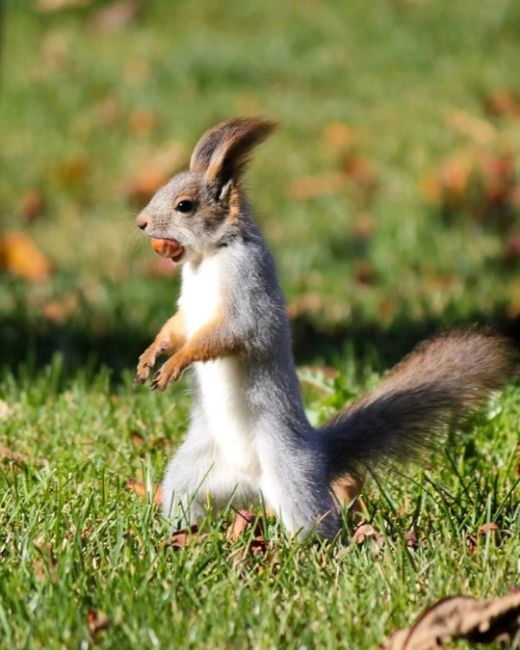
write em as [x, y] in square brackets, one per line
[227, 414]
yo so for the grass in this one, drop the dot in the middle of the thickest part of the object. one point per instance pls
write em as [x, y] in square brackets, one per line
[73, 538]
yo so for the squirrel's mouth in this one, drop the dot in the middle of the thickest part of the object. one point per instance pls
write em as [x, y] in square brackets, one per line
[169, 248]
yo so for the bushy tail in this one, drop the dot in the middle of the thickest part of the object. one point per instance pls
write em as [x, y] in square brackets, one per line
[438, 383]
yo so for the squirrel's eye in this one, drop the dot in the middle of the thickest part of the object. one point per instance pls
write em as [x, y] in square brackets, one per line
[184, 206]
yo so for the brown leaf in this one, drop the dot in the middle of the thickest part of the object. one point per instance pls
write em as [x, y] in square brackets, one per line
[59, 311]
[142, 122]
[455, 174]
[243, 519]
[386, 309]
[21, 257]
[366, 532]
[47, 566]
[46, 6]
[258, 546]
[97, 622]
[411, 539]
[305, 304]
[310, 187]
[359, 170]
[503, 103]
[365, 273]
[137, 439]
[31, 205]
[461, 617]
[154, 173]
[7, 454]
[145, 184]
[479, 184]
[512, 248]
[182, 538]
[115, 16]
[490, 528]
[473, 126]
[338, 136]
[347, 487]
[140, 489]
[471, 543]
[73, 171]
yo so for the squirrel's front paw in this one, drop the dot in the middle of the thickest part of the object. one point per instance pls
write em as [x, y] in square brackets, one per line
[169, 372]
[147, 361]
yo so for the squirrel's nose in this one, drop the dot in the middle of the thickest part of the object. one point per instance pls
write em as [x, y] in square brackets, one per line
[142, 220]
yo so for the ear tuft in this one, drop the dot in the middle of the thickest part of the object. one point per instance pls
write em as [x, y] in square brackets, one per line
[223, 152]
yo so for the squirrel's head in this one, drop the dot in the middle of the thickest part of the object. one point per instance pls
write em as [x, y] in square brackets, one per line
[197, 209]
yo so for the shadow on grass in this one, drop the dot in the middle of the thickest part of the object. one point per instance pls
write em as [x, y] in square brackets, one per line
[30, 342]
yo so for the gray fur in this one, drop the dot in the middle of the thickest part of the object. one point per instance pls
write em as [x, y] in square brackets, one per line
[437, 383]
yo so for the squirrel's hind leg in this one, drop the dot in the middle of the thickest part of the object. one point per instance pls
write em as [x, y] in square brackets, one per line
[295, 489]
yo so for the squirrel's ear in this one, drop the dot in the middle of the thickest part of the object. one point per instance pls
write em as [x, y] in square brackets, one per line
[222, 152]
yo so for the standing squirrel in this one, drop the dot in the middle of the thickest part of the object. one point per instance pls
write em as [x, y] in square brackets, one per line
[248, 433]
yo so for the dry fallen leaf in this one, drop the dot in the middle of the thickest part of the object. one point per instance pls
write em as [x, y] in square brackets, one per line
[306, 303]
[114, 16]
[479, 184]
[20, 256]
[512, 248]
[366, 532]
[310, 187]
[503, 103]
[338, 136]
[347, 487]
[59, 311]
[72, 172]
[411, 539]
[140, 489]
[359, 170]
[258, 546]
[461, 617]
[182, 538]
[142, 122]
[31, 205]
[137, 439]
[54, 5]
[97, 622]
[154, 173]
[46, 567]
[243, 519]
[480, 130]
[145, 184]
[471, 544]
[490, 528]
[365, 273]
[7, 454]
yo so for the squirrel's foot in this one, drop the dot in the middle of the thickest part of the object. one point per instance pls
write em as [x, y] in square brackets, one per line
[169, 372]
[147, 361]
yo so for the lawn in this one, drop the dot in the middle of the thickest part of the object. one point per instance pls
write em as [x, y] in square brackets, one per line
[389, 196]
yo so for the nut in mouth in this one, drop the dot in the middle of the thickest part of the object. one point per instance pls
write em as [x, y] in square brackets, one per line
[169, 248]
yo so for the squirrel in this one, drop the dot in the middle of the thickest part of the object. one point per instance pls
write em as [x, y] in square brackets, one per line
[248, 435]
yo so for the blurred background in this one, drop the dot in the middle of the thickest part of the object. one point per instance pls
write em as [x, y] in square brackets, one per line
[390, 194]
